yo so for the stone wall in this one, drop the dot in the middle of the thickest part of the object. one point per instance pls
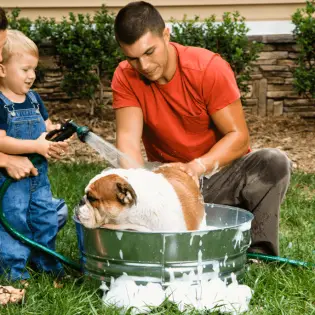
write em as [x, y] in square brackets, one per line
[49, 76]
[271, 90]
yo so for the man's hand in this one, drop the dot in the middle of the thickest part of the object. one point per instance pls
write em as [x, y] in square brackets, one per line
[19, 167]
[193, 169]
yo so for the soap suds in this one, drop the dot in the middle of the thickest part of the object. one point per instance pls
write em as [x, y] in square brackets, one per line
[206, 295]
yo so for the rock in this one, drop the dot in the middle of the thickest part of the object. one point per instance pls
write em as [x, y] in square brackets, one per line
[273, 55]
[286, 62]
[282, 94]
[262, 98]
[256, 76]
[279, 87]
[278, 108]
[288, 81]
[299, 102]
[282, 74]
[274, 68]
[293, 55]
[276, 80]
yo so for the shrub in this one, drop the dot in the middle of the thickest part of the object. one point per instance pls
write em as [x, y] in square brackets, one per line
[22, 24]
[39, 30]
[304, 32]
[87, 50]
[228, 38]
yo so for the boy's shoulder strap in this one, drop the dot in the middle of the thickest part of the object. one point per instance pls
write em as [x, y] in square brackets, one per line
[4, 99]
[32, 96]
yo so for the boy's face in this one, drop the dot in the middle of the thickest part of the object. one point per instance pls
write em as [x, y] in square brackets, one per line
[148, 55]
[3, 38]
[18, 74]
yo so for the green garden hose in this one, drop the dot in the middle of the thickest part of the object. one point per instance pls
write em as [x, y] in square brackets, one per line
[280, 259]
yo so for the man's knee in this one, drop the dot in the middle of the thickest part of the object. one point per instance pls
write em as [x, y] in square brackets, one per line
[277, 166]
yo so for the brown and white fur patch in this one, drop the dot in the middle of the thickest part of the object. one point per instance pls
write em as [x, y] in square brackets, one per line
[165, 199]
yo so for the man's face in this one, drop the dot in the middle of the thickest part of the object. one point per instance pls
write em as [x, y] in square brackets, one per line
[3, 38]
[148, 55]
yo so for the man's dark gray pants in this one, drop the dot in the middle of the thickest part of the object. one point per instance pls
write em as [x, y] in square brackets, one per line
[258, 183]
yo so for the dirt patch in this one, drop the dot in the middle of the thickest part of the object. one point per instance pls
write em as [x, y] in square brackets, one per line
[293, 135]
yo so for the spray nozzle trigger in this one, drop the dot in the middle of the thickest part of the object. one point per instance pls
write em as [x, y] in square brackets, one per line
[66, 131]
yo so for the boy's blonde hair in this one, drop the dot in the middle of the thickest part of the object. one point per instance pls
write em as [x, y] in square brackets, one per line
[18, 43]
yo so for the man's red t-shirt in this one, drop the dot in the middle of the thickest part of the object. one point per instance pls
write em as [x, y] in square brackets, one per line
[177, 122]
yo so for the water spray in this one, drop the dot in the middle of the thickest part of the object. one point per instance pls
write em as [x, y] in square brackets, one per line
[106, 150]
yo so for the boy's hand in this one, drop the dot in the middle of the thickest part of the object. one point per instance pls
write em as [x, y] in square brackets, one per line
[43, 145]
[58, 149]
[50, 149]
[53, 127]
[50, 126]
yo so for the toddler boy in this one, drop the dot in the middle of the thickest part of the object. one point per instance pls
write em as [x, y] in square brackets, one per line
[28, 204]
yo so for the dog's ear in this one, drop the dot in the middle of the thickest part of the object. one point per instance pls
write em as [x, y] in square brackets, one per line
[125, 194]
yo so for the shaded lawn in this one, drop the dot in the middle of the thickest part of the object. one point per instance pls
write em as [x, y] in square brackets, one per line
[278, 288]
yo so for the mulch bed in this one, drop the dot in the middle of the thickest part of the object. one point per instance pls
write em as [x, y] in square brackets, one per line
[293, 135]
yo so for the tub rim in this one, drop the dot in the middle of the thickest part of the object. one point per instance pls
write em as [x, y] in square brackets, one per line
[236, 226]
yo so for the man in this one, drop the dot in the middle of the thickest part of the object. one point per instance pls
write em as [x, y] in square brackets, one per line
[185, 105]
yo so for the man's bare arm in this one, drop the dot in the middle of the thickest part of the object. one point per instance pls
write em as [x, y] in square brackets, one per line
[231, 122]
[129, 126]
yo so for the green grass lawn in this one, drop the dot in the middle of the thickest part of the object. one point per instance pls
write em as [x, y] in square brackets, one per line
[278, 288]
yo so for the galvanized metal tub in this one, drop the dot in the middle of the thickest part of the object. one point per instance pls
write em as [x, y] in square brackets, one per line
[163, 257]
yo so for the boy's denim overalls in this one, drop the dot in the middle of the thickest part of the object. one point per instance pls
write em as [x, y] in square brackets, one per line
[28, 204]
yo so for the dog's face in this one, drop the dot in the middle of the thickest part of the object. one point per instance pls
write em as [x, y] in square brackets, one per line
[105, 198]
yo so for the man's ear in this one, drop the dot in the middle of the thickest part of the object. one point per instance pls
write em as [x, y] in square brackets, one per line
[166, 34]
[3, 71]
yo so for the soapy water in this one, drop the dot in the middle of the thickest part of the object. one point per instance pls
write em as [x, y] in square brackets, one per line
[212, 295]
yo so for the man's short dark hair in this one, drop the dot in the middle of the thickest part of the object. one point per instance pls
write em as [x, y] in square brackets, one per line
[3, 20]
[136, 19]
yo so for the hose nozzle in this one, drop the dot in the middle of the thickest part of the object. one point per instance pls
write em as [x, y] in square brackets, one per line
[67, 130]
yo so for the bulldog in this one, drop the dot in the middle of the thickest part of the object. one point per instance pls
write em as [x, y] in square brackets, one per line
[164, 199]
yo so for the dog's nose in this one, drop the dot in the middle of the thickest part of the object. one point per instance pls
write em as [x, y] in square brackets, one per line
[82, 202]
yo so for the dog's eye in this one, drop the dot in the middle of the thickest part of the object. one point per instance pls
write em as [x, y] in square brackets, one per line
[90, 198]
